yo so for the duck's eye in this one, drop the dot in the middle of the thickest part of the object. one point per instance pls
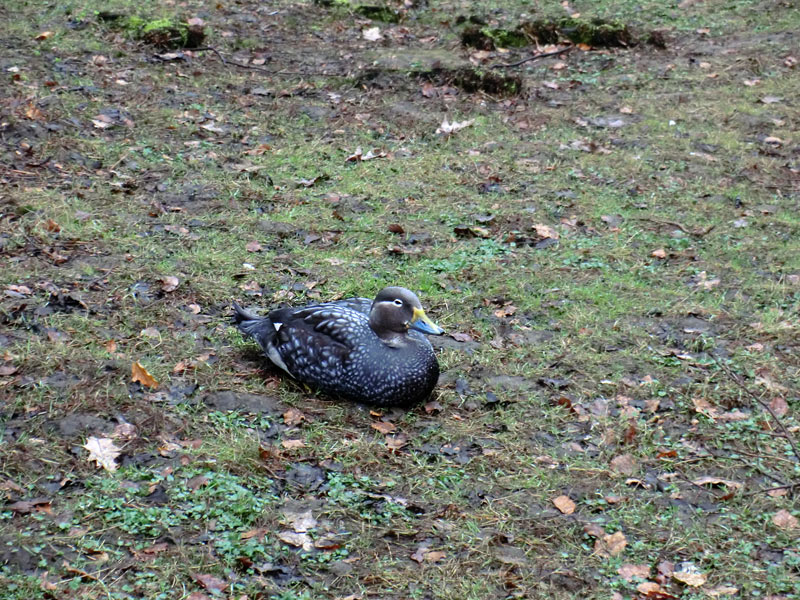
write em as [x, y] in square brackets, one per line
[397, 302]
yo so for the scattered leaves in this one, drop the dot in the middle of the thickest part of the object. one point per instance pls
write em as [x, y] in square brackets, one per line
[211, 583]
[140, 375]
[688, 573]
[447, 128]
[784, 520]
[169, 283]
[103, 452]
[624, 464]
[629, 571]
[565, 504]
[384, 427]
[611, 545]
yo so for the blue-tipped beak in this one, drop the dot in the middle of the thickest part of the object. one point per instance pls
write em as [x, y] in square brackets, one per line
[422, 323]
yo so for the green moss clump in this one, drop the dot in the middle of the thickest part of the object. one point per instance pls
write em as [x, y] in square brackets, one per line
[164, 32]
[378, 13]
[597, 32]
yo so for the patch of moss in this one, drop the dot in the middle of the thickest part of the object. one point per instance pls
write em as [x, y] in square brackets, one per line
[475, 80]
[594, 32]
[597, 32]
[164, 32]
[486, 38]
[378, 13]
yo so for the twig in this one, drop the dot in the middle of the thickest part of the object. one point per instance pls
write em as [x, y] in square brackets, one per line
[531, 58]
[735, 378]
[684, 229]
[260, 68]
[788, 486]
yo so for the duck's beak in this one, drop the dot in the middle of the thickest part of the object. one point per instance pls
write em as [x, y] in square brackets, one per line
[422, 323]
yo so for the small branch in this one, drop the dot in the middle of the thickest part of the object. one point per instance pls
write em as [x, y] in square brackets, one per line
[788, 486]
[531, 58]
[735, 378]
[260, 68]
[695, 232]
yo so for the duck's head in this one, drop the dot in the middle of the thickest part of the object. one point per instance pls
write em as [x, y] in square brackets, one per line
[396, 310]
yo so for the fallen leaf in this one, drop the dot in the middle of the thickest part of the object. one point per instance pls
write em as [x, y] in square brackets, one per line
[139, 374]
[169, 283]
[209, 582]
[565, 504]
[611, 545]
[545, 231]
[194, 309]
[433, 407]
[722, 590]
[253, 246]
[779, 406]
[623, 464]
[103, 452]
[25, 507]
[705, 283]
[451, 128]
[293, 417]
[651, 589]
[629, 571]
[43, 36]
[710, 480]
[7, 369]
[461, 337]
[296, 539]
[688, 573]
[771, 100]
[196, 482]
[396, 442]
[660, 253]
[372, 34]
[301, 522]
[292, 444]
[384, 427]
[784, 519]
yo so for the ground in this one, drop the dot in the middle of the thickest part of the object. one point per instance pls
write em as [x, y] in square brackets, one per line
[609, 234]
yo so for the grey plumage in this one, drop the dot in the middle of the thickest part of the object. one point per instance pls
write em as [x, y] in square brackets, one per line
[359, 349]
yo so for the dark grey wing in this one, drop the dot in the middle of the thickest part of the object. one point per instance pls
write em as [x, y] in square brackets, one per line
[340, 324]
[362, 305]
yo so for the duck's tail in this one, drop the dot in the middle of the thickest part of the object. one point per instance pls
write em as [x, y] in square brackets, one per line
[261, 329]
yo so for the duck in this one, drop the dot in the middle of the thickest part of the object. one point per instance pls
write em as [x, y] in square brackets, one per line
[368, 351]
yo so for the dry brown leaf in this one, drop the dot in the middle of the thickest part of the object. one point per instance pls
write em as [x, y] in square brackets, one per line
[710, 480]
[545, 231]
[652, 590]
[688, 573]
[624, 464]
[43, 36]
[210, 582]
[253, 246]
[292, 444]
[293, 417]
[784, 519]
[169, 283]
[611, 545]
[384, 427]
[103, 452]
[629, 571]
[594, 530]
[660, 253]
[396, 442]
[722, 590]
[565, 504]
[779, 406]
[301, 522]
[300, 540]
[140, 375]
[451, 128]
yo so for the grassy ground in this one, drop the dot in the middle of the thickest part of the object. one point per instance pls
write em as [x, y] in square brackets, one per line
[614, 249]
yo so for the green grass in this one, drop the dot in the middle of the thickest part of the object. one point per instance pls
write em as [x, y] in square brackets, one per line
[583, 351]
